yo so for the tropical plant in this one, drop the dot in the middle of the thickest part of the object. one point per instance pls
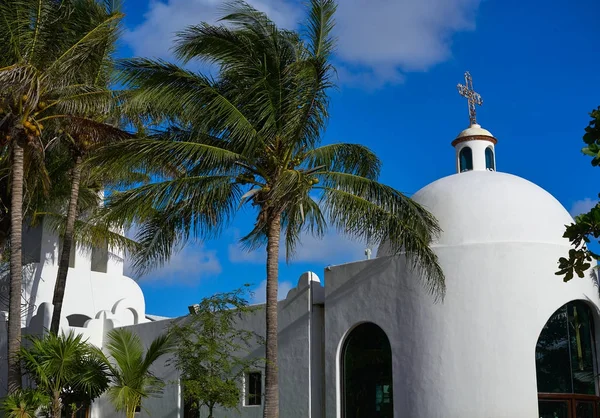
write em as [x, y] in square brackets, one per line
[43, 88]
[252, 136]
[132, 379]
[66, 369]
[212, 353]
[24, 403]
[586, 225]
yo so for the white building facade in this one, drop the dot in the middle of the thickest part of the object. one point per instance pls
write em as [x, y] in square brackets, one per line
[509, 339]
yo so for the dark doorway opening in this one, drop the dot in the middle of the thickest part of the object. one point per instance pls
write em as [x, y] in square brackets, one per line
[367, 373]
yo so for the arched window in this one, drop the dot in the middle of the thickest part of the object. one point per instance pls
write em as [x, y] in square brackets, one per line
[367, 373]
[566, 364]
[489, 159]
[466, 159]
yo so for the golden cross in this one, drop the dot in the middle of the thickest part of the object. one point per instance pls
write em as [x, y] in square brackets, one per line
[472, 97]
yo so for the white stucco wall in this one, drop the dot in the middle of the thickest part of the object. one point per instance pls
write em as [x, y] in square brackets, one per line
[472, 355]
[88, 292]
[101, 300]
[301, 361]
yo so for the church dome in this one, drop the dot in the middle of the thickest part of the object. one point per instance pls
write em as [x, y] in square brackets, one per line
[479, 207]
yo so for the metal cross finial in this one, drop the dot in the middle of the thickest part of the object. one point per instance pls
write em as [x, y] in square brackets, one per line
[472, 97]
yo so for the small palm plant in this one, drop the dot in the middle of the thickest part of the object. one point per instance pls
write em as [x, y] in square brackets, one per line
[24, 404]
[66, 369]
[132, 379]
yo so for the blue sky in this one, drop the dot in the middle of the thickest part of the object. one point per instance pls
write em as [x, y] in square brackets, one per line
[535, 64]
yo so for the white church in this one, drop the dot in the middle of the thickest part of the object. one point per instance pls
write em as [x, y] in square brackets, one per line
[510, 339]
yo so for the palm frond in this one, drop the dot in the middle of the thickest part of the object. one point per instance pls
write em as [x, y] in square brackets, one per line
[369, 211]
[193, 97]
[319, 27]
[164, 155]
[347, 158]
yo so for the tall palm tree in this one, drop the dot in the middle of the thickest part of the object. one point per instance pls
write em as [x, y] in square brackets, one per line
[82, 138]
[65, 368]
[252, 136]
[132, 379]
[90, 181]
[42, 84]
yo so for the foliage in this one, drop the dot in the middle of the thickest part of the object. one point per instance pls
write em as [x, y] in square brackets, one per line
[66, 369]
[586, 225]
[24, 403]
[212, 353]
[132, 379]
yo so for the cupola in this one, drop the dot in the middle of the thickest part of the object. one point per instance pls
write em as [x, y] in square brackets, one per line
[475, 149]
[474, 146]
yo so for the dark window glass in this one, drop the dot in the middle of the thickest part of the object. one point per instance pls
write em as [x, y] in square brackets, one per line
[554, 409]
[584, 409]
[565, 352]
[253, 388]
[489, 159]
[190, 409]
[77, 320]
[466, 159]
[367, 373]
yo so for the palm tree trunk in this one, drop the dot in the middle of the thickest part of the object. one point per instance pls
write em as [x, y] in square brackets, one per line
[271, 371]
[16, 267]
[65, 255]
[56, 405]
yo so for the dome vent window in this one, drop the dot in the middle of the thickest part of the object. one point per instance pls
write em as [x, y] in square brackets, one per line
[466, 159]
[489, 159]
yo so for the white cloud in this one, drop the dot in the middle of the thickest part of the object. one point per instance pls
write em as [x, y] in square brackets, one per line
[407, 35]
[332, 249]
[582, 206]
[192, 263]
[154, 36]
[260, 292]
[378, 40]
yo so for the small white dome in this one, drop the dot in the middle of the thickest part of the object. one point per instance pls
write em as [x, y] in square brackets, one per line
[479, 207]
[474, 130]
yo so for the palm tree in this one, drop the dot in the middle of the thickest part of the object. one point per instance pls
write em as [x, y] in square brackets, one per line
[65, 368]
[132, 379]
[42, 82]
[252, 136]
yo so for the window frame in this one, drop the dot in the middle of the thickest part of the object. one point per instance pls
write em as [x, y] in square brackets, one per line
[571, 399]
[247, 396]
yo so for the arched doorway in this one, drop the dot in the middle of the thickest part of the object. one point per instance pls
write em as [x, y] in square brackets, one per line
[566, 367]
[366, 365]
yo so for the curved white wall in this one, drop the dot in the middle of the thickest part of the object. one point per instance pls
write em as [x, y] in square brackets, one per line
[472, 355]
